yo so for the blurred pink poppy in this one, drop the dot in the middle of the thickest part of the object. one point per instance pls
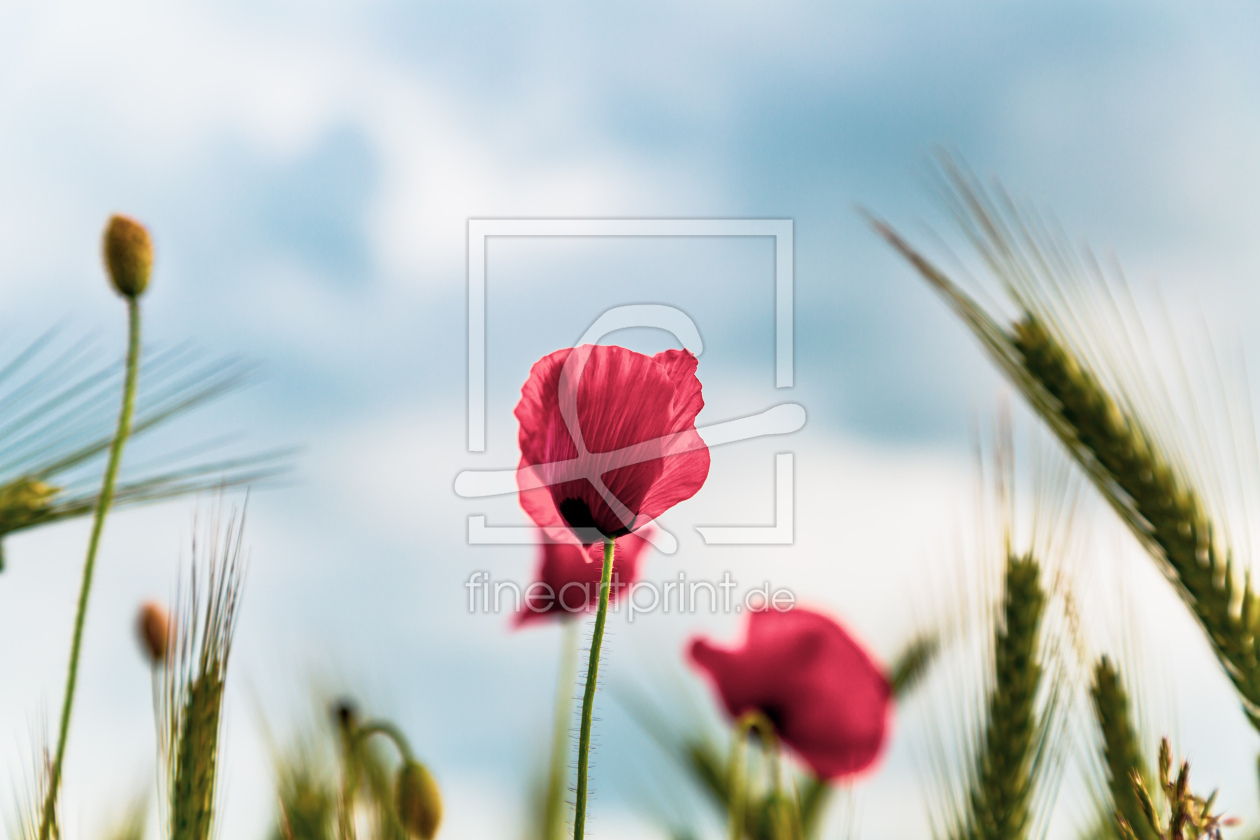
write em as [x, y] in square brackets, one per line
[567, 583]
[827, 699]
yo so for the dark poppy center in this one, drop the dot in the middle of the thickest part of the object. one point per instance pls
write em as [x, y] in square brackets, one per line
[774, 714]
[578, 516]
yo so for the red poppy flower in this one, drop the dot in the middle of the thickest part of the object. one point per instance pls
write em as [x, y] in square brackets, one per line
[827, 700]
[569, 576]
[608, 440]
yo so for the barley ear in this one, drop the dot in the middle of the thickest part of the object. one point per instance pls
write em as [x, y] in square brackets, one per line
[912, 664]
[131, 825]
[1145, 803]
[30, 801]
[1121, 751]
[1126, 830]
[307, 802]
[24, 502]
[1001, 793]
[195, 681]
[1075, 366]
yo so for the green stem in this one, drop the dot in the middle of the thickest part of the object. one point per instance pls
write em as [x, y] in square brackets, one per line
[588, 695]
[89, 565]
[737, 771]
[354, 741]
[735, 774]
[553, 816]
[349, 778]
[390, 731]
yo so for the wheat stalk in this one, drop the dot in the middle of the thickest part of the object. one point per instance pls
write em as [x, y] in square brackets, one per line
[1126, 438]
[192, 710]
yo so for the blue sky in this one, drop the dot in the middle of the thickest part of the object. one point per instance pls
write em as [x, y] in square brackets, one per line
[308, 170]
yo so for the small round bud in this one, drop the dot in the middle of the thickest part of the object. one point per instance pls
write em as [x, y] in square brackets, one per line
[128, 255]
[153, 626]
[419, 801]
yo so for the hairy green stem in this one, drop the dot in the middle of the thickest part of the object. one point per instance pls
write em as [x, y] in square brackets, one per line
[89, 565]
[553, 816]
[588, 695]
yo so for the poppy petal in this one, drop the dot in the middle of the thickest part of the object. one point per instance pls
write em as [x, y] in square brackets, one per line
[825, 696]
[571, 574]
[609, 436]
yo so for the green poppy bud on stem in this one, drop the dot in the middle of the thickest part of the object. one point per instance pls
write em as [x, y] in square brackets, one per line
[128, 255]
[419, 801]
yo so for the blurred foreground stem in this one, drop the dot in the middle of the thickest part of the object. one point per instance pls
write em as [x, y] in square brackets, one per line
[89, 565]
[740, 819]
[553, 816]
[588, 695]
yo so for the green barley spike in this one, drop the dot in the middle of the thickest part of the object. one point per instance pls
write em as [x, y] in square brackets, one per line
[1121, 752]
[1158, 503]
[307, 803]
[131, 826]
[1140, 471]
[1001, 792]
[912, 664]
[195, 683]
[192, 801]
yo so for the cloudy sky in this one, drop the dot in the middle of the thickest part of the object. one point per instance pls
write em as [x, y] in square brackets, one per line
[308, 171]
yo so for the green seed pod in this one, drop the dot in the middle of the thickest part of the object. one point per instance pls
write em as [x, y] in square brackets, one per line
[419, 801]
[128, 255]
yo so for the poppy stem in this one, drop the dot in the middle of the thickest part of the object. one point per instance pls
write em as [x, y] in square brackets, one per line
[735, 778]
[89, 565]
[390, 731]
[553, 816]
[737, 770]
[588, 695]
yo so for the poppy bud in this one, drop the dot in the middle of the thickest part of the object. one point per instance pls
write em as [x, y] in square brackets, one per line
[153, 626]
[419, 801]
[128, 255]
